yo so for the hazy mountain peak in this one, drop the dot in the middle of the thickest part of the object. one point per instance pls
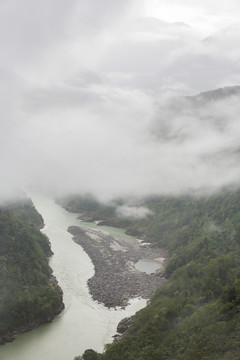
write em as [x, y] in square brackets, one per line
[218, 94]
[153, 24]
[148, 23]
[230, 33]
[182, 24]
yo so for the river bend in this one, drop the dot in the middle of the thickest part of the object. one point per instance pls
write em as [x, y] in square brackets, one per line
[84, 323]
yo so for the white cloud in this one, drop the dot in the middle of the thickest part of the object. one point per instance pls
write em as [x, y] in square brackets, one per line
[206, 16]
[134, 212]
[83, 84]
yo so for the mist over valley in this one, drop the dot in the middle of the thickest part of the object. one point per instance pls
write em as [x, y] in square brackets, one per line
[119, 180]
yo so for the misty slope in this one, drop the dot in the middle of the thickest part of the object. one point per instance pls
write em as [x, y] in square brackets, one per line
[29, 295]
[210, 112]
[197, 314]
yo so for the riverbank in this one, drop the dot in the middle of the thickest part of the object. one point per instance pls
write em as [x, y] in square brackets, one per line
[11, 335]
[116, 280]
[30, 294]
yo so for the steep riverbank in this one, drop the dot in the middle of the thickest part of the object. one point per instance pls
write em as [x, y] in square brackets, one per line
[116, 280]
[12, 335]
[84, 323]
[30, 294]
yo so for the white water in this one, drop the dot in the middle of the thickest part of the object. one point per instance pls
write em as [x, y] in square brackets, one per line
[84, 323]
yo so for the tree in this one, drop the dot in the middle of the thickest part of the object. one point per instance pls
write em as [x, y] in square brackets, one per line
[90, 354]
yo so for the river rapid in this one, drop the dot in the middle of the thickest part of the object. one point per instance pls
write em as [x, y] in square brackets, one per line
[84, 323]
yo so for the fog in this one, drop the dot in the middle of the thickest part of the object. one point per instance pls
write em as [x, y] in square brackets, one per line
[90, 97]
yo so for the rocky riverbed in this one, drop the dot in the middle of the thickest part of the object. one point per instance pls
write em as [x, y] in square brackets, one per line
[116, 280]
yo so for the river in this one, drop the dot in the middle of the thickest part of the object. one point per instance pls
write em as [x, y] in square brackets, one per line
[84, 323]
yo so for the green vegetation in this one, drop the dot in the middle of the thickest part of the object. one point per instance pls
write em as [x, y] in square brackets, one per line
[28, 294]
[92, 210]
[196, 315]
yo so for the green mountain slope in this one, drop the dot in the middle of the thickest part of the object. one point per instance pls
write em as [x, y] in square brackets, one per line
[29, 295]
[196, 314]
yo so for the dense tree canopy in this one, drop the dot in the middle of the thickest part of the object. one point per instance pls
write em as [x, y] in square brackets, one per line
[196, 315]
[28, 297]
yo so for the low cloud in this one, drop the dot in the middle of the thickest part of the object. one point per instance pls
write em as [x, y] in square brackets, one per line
[133, 212]
[122, 143]
[92, 101]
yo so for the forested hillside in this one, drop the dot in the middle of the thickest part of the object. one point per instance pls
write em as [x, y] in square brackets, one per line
[29, 294]
[196, 315]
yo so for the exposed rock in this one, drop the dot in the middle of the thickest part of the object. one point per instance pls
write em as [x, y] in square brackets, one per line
[160, 272]
[116, 280]
[124, 325]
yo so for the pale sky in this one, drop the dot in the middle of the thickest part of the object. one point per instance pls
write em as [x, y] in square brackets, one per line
[207, 16]
[83, 85]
